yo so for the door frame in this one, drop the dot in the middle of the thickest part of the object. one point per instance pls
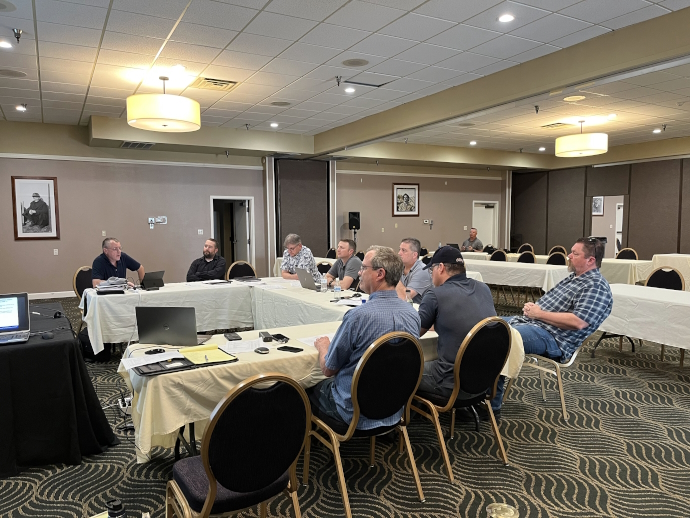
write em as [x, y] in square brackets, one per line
[497, 219]
[252, 238]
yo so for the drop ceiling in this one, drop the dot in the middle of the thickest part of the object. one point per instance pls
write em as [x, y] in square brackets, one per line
[84, 57]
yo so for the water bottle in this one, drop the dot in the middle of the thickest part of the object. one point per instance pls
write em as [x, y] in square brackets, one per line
[336, 289]
[408, 297]
[324, 284]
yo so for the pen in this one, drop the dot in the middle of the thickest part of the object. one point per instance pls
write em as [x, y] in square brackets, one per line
[206, 357]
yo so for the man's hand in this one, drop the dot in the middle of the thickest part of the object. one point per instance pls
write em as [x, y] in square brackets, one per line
[322, 343]
[531, 310]
[562, 320]
[32, 211]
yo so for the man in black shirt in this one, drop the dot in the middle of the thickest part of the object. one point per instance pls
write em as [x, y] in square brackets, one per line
[113, 262]
[210, 266]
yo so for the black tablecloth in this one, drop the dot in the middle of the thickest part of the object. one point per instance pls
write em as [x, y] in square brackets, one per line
[49, 409]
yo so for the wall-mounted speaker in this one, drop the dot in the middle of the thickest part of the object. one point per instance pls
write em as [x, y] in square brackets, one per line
[353, 220]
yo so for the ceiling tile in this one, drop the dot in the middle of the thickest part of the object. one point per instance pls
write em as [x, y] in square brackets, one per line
[329, 98]
[279, 26]
[635, 17]
[266, 78]
[138, 24]
[366, 16]
[329, 73]
[435, 74]
[67, 13]
[62, 51]
[71, 35]
[580, 36]
[384, 95]
[309, 53]
[23, 10]
[381, 45]
[125, 59]
[535, 53]
[103, 108]
[232, 106]
[256, 90]
[165, 67]
[317, 10]
[461, 79]
[30, 73]
[242, 60]
[311, 85]
[289, 67]
[356, 105]
[416, 27]
[463, 37]
[349, 71]
[408, 5]
[327, 116]
[296, 112]
[426, 54]
[203, 96]
[217, 14]
[597, 11]
[523, 15]
[47, 86]
[334, 36]
[505, 47]
[8, 59]
[131, 43]
[496, 67]
[315, 106]
[675, 5]
[262, 45]
[455, 10]
[373, 79]
[171, 9]
[397, 67]
[203, 35]
[657, 77]
[406, 84]
[467, 62]
[227, 73]
[110, 93]
[110, 76]
[550, 28]
[66, 76]
[188, 52]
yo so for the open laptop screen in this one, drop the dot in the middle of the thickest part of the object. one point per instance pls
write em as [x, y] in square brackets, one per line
[14, 312]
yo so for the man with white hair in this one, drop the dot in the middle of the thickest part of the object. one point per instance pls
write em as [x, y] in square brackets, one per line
[296, 255]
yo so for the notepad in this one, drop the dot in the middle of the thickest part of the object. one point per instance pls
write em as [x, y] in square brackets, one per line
[203, 354]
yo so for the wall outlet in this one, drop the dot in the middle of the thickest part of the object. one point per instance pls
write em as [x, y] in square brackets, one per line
[152, 220]
[103, 233]
[465, 227]
[200, 232]
[55, 251]
[151, 226]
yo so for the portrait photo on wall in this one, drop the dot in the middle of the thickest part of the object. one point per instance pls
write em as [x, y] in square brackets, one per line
[597, 206]
[35, 206]
[406, 199]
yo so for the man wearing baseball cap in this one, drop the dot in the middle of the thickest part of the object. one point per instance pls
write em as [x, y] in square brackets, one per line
[454, 305]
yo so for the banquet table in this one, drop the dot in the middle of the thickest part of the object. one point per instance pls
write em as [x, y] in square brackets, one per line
[162, 404]
[680, 262]
[544, 276]
[112, 318]
[279, 262]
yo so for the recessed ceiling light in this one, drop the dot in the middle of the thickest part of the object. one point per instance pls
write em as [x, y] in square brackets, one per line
[274, 125]
[349, 90]
[178, 69]
[5, 45]
[656, 131]
[612, 116]
[542, 149]
[506, 18]
[356, 62]
[473, 143]
[574, 98]
[21, 108]
[280, 103]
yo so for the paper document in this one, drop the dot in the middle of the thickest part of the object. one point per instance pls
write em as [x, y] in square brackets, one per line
[202, 354]
[349, 302]
[148, 359]
[215, 282]
[269, 287]
[241, 346]
[311, 339]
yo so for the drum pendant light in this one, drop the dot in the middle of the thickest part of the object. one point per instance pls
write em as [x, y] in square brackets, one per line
[163, 112]
[582, 144]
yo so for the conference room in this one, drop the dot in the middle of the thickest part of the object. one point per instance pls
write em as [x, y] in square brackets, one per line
[164, 125]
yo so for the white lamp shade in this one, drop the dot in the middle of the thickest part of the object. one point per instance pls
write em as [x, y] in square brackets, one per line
[163, 112]
[582, 144]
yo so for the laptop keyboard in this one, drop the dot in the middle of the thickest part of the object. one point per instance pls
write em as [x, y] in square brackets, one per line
[15, 337]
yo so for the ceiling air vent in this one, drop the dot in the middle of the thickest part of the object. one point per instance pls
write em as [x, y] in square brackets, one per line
[280, 103]
[208, 83]
[556, 125]
[355, 62]
[137, 145]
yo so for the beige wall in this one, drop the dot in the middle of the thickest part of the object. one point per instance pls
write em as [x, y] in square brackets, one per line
[118, 198]
[447, 200]
[606, 225]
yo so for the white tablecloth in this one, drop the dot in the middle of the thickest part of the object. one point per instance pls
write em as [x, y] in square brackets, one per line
[544, 276]
[162, 404]
[680, 262]
[279, 262]
[652, 314]
[112, 318]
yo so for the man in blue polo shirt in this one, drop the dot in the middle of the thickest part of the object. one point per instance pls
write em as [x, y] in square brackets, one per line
[113, 262]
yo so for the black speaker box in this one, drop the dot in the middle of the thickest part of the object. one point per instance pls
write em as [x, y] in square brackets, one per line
[353, 220]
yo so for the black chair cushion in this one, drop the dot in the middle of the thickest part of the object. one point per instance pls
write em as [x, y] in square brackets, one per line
[526, 257]
[241, 270]
[463, 400]
[190, 476]
[668, 280]
[497, 257]
[83, 281]
[338, 425]
[556, 259]
[626, 254]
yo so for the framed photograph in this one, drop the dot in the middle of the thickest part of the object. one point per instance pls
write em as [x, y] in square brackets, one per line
[35, 206]
[597, 206]
[405, 199]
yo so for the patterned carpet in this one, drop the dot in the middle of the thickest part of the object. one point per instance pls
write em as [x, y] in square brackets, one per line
[624, 453]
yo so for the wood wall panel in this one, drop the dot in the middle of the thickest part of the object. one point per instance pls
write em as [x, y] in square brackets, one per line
[608, 181]
[566, 207]
[530, 193]
[685, 211]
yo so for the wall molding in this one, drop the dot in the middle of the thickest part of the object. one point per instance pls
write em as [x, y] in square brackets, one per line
[67, 158]
[52, 295]
[421, 175]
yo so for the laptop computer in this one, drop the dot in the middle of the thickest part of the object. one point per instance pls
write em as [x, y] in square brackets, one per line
[306, 279]
[166, 325]
[15, 324]
[153, 280]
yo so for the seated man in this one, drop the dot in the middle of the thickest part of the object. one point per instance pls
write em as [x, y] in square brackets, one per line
[453, 306]
[472, 244]
[113, 262]
[383, 313]
[209, 266]
[414, 278]
[347, 267]
[557, 324]
[297, 255]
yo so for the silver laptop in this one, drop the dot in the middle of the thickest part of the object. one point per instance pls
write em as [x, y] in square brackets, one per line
[306, 279]
[166, 326]
[15, 324]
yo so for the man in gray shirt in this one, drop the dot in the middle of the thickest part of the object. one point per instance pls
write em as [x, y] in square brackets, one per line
[347, 267]
[472, 244]
[414, 278]
[453, 307]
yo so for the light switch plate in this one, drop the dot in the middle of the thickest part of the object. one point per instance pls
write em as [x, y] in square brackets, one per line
[103, 233]
[201, 232]
[465, 227]
[152, 220]
[55, 251]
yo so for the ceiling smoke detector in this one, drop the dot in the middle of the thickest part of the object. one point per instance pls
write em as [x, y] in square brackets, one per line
[208, 83]
[7, 6]
[280, 103]
[355, 62]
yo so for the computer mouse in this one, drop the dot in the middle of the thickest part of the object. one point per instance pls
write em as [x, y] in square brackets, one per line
[155, 351]
[48, 335]
[262, 350]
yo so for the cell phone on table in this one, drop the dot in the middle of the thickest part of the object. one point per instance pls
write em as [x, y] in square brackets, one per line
[290, 349]
[280, 338]
[232, 337]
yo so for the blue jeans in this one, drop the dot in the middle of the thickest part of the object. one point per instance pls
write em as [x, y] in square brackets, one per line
[324, 395]
[535, 340]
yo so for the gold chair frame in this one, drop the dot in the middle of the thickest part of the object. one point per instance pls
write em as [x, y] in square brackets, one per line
[631, 249]
[557, 254]
[176, 505]
[435, 410]
[531, 248]
[76, 292]
[558, 248]
[227, 273]
[332, 439]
